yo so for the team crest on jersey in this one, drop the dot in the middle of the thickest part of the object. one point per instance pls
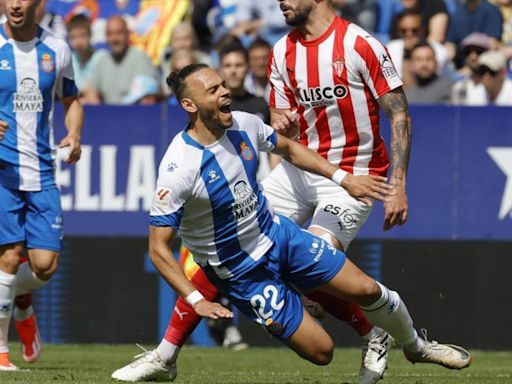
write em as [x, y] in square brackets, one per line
[163, 197]
[246, 151]
[47, 64]
[5, 65]
[338, 66]
[28, 98]
[387, 67]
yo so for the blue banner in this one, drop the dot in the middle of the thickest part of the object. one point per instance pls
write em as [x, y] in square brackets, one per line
[459, 180]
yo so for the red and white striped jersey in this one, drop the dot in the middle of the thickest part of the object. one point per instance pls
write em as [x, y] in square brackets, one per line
[334, 81]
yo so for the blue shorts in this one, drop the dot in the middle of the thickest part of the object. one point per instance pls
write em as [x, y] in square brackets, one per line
[268, 294]
[32, 217]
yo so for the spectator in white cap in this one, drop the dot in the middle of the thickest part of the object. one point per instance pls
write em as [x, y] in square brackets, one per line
[492, 69]
[472, 47]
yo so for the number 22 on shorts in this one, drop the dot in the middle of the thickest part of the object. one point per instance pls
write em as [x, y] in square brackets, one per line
[259, 302]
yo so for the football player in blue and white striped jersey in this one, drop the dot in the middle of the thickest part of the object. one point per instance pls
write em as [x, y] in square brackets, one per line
[35, 68]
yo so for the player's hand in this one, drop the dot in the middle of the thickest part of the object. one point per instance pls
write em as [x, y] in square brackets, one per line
[287, 124]
[367, 187]
[211, 310]
[396, 209]
[75, 151]
[3, 129]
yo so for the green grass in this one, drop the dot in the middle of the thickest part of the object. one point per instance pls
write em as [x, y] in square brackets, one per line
[94, 363]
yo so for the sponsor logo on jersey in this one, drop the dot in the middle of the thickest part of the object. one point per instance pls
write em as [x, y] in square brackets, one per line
[502, 156]
[246, 201]
[387, 67]
[47, 64]
[163, 197]
[28, 98]
[347, 219]
[172, 167]
[213, 176]
[57, 224]
[246, 151]
[5, 65]
[338, 66]
[5, 307]
[321, 96]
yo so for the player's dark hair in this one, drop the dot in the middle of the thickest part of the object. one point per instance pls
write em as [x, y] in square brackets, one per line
[79, 21]
[259, 42]
[232, 48]
[406, 13]
[176, 80]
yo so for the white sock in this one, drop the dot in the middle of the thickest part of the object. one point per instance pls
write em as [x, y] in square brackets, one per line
[390, 313]
[167, 351]
[22, 314]
[375, 331]
[6, 304]
[26, 280]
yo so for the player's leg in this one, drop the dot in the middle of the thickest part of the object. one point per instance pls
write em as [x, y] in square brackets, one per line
[12, 235]
[337, 219]
[161, 362]
[386, 309]
[44, 242]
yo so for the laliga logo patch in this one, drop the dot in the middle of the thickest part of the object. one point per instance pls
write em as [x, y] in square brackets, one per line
[246, 151]
[338, 66]
[47, 63]
[163, 197]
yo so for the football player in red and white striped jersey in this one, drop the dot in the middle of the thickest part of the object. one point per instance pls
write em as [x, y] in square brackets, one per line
[332, 76]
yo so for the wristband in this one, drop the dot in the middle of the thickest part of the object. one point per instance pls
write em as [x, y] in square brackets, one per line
[338, 176]
[194, 297]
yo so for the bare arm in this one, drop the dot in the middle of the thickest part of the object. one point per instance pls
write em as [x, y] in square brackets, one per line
[437, 27]
[171, 271]
[74, 121]
[395, 106]
[360, 187]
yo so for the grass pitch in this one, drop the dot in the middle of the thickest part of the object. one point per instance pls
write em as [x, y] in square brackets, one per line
[94, 363]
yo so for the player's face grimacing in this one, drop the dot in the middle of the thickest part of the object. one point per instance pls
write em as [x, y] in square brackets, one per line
[296, 12]
[212, 98]
[20, 13]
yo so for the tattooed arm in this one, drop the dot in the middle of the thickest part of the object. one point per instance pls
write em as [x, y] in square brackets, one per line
[395, 106]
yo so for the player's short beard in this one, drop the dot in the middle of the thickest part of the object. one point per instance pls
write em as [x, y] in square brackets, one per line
[299, 19]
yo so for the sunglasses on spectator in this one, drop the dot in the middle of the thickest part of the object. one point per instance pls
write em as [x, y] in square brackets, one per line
[483, 70]
[415, 31]
[473, 49]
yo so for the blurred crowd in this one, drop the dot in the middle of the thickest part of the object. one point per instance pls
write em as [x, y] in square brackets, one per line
[447, 51]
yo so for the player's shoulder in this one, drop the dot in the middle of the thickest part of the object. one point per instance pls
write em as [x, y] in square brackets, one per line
[244, 121]
[180, 161]
[53, 41]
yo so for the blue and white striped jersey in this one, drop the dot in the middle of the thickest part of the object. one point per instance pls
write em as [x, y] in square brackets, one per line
[31, 74]
[210, 194]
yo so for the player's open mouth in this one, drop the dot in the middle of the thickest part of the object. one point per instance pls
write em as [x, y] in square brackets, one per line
[225, 108]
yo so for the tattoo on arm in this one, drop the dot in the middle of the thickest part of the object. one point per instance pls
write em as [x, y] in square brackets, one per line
[395, 106]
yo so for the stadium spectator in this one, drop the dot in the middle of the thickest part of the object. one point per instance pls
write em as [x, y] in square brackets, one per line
[411, 32]
[506, 11]
[50, 21]
[183, 38]
[429, 86]
[473, 16]
[361, 12]
[468, 89]
[85, 56]
[492, 70]
[256, 80]
[259, 18]
[434, 18]
[114, 72]
[221, 18]
[144, 90]
[37, 68]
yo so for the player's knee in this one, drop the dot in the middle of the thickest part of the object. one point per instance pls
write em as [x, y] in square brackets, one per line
[324, 354]
[369, 291]
[10, 256]
[45, 267]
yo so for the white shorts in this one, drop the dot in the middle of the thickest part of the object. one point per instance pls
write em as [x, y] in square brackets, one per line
[301, 196]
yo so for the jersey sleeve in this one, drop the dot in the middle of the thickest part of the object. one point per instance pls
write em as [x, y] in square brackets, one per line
[278, 94]
[66, 81]
[168, 201]
[267, 137]
[373, 62]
